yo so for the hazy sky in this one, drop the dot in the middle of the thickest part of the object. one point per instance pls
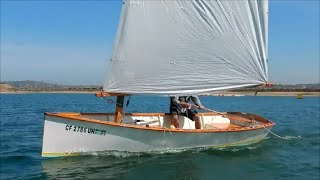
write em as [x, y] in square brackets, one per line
[69, 42]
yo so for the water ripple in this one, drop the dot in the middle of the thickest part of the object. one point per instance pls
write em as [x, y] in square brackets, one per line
[297, 157]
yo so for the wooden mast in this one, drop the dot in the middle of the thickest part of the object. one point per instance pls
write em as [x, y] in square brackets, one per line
[119, 105]
[119, 109]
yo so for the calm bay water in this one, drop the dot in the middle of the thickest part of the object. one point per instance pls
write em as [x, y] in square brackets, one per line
[274, 158]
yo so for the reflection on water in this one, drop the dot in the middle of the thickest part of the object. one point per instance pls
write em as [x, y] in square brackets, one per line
[170, 163]
[91, 167]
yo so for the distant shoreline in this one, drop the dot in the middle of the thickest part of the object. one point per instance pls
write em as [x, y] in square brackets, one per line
[47, 92]
[234, 93]
[266, 93]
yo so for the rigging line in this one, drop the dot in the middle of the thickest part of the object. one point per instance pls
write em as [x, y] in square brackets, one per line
[221, 113]
[270, 130]
[164, 130]
[128, 101]
[127, 104]
[254, 121]
[109, 101]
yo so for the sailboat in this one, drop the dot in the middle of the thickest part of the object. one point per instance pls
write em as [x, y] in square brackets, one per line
[173, 47]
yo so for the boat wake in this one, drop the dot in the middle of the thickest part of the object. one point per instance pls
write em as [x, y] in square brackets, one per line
[287, 137]
[292, 137]
[125, 154]
[118, 154]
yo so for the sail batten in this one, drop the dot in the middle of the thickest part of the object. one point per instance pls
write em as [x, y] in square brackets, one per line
[175, 47]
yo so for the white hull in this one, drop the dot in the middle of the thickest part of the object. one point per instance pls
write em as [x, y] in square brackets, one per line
[73, 134]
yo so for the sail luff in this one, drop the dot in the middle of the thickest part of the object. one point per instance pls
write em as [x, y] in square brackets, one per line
[258, 28]
[266, 33]
[116, 46]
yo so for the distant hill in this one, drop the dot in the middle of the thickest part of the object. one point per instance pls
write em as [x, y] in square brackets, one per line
[314, 86]
[6, 88]
[43, 86]
[31, 85]
[285, 87]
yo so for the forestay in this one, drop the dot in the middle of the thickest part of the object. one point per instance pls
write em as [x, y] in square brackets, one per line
[189, 47]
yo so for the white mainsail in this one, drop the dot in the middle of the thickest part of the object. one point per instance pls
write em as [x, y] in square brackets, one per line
[189, 46]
